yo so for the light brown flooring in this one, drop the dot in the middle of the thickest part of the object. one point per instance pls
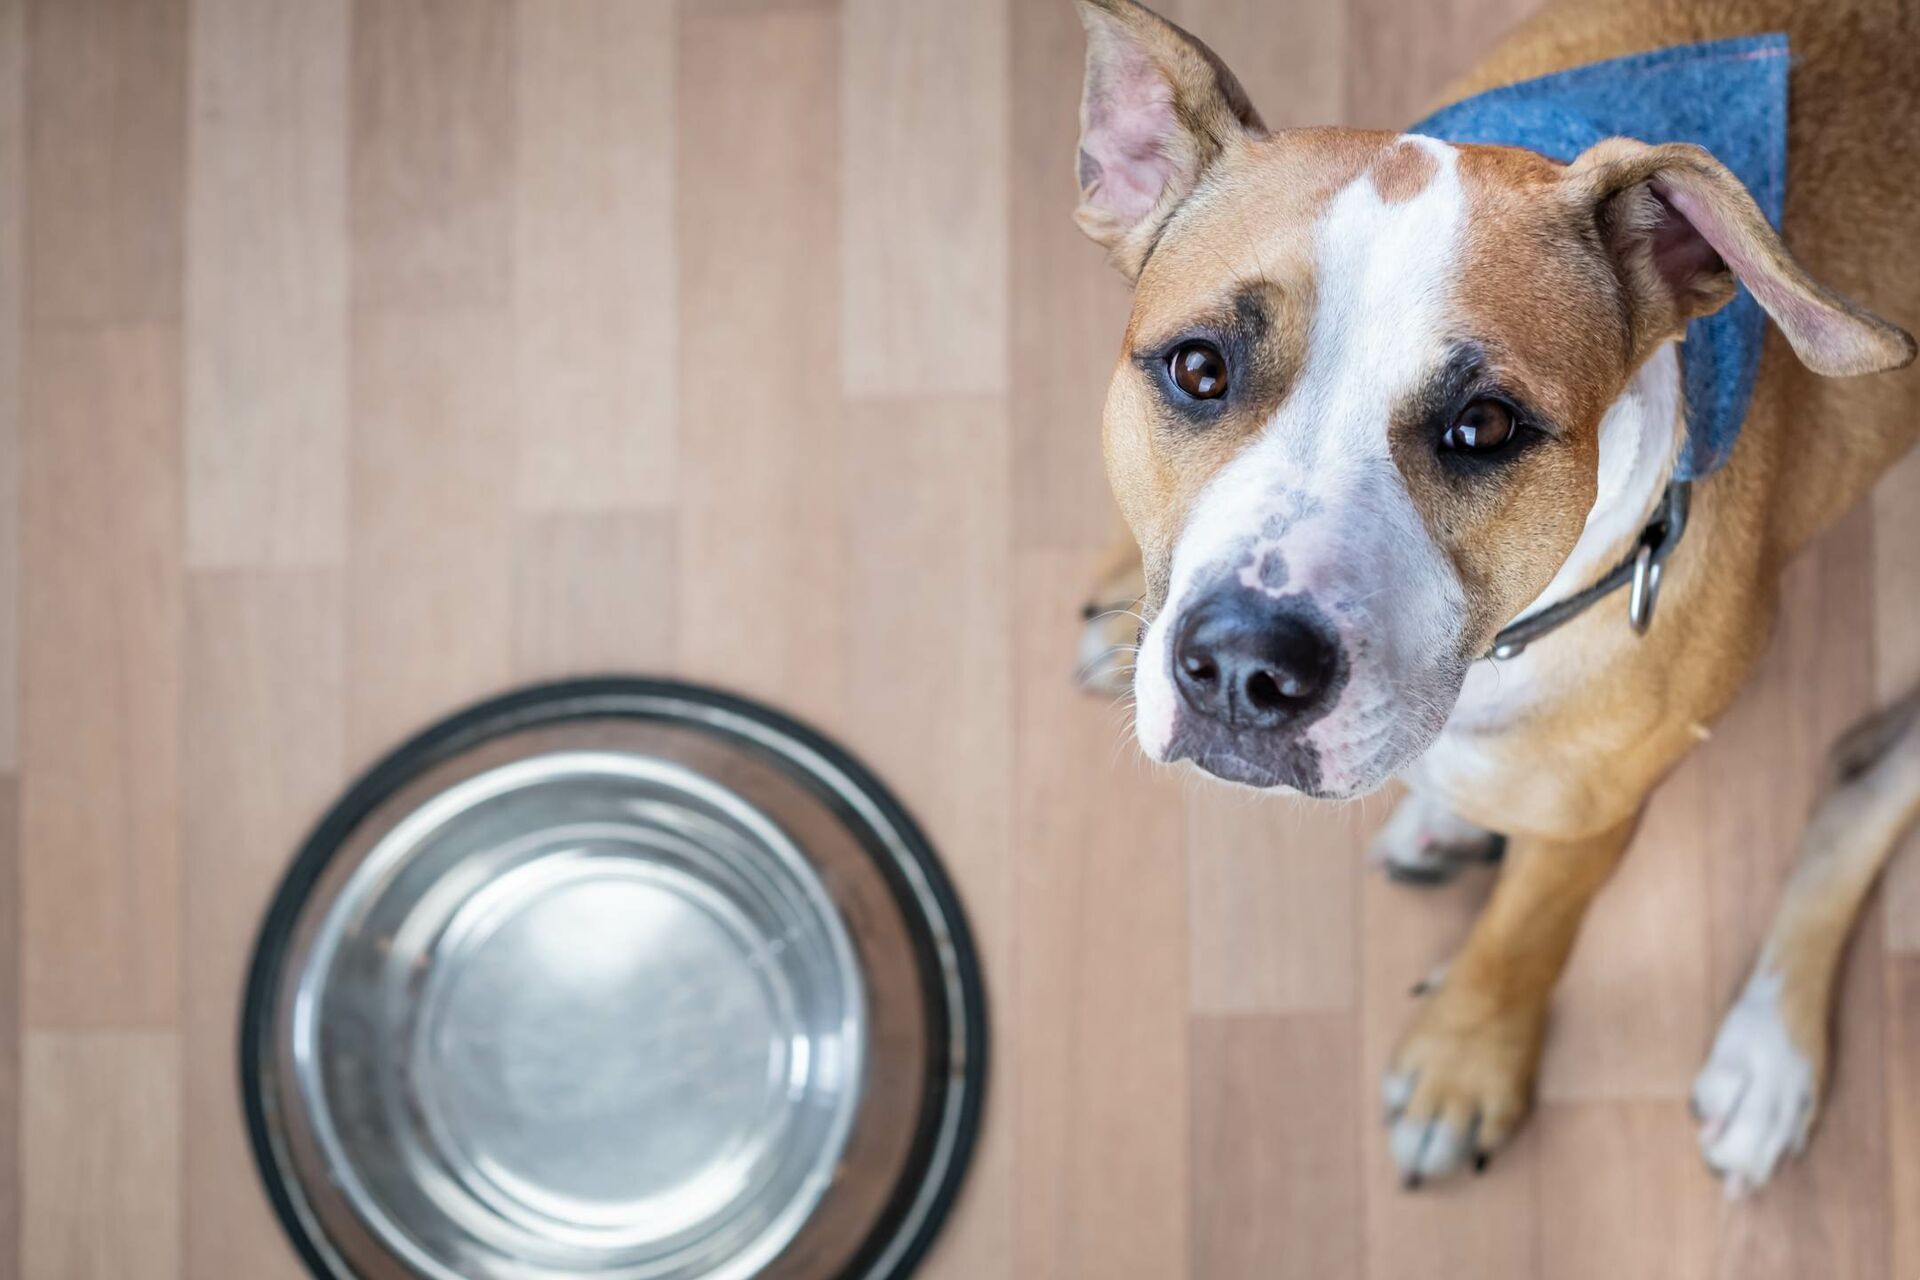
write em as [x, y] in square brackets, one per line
[357, 359]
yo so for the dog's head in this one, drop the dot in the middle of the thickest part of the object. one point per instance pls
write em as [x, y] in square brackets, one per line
[1355, 423]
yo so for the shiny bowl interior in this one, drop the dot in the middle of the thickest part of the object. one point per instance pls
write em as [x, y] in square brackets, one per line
[614, 979]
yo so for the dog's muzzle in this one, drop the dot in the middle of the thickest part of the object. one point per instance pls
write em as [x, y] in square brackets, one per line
[1253, 672]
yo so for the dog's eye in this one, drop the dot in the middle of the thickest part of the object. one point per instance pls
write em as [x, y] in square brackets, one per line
[1199, 370]
[1481, 426]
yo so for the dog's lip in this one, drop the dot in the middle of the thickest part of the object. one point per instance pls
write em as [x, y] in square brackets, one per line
[1294, 767]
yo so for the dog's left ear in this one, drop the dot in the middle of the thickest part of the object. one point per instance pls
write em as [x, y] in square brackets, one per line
[1681, 227]
[1158, 108]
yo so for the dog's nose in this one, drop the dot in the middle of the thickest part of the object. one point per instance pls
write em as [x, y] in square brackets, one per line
[1252, 662]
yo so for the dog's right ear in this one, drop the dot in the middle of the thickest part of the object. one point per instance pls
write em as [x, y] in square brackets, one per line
[1157, 109]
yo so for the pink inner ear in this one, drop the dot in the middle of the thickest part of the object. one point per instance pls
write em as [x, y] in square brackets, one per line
[1129, 117]
[1803, 319]
[1681, 253]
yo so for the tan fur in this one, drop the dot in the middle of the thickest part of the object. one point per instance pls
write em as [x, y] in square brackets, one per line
[1568, 783]
[1401, 172]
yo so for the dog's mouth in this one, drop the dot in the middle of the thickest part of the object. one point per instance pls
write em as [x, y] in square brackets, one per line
[1294, 766]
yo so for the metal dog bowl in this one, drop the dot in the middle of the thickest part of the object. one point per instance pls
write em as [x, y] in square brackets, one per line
[621, 979]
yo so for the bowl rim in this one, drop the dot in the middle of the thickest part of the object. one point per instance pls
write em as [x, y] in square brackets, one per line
[950, 974]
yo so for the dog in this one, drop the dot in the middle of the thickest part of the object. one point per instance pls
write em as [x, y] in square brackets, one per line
[1392, 416]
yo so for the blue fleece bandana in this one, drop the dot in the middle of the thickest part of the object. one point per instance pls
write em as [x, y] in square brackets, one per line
[1729, 96]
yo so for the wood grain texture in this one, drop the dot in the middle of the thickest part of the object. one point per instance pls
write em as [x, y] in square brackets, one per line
[1300, 80]
[1639, 1002]
[100, 677]
[1896, 657]
[431, 579]
[266, 283]
[1272, 894]
[594, 591]
[1101, 994]
[1901, 995]
[11, 1099]
[1397, 66]
[13, 208]
[757, 111]
[106, 158]
[1282, 1198]
[101, 1156]
[924, 219]
[1623, 1192]
[1815, 680]
[933, 647]
[432, 153]
[265, 686]
[596, 339]
[1068, 308]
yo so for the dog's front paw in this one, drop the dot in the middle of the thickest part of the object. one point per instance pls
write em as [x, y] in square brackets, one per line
[1460, 1082]
[1423, 842]
[1757, 1097]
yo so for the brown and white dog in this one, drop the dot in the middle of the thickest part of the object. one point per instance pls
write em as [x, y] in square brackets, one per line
[1380, 395]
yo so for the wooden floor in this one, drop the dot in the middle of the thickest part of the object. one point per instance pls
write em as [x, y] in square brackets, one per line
[358, 359]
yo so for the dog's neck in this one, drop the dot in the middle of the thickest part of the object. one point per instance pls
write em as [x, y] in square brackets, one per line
[1640, 438]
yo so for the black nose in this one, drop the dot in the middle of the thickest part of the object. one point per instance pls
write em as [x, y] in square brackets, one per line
[1252, 662]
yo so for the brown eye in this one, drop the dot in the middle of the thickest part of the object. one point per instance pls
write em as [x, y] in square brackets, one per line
[1482, 425]
[1199, 370]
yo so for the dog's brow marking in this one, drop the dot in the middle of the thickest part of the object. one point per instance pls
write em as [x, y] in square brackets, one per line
[1402, 172]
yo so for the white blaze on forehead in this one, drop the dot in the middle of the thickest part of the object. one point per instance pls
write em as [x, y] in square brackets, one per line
[1383, 276]
[1318, 486]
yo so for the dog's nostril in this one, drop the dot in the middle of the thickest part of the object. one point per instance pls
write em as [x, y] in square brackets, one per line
[1253, 664]
[1271, 691]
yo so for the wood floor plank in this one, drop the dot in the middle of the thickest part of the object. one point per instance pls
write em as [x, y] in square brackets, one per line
[1816, 679]
[13, 207]
[924, 234]
[1298, 79]
[11, 1100]
[265, 687]
[431, 583]
[102, 1156]
[266, 283]
[1101, 982]
[100, 676]
[762, 507]
[1069, 307]
[1623, 1192]
[1484, 1226]
[596, 340]
[1639, 1001]
[432, 153]
[1398, 60]
[1273, 899]
[1896, 659]
[1901, 1003]
[1276, 1172]
[933, 651]
[594, 591]
[106, 159]
[1830, 1211]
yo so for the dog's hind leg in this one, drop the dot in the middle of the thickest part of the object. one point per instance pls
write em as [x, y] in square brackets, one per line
[1757, 1097]
[1110, 621]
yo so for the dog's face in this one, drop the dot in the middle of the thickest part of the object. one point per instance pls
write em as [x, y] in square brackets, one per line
[1355, 422]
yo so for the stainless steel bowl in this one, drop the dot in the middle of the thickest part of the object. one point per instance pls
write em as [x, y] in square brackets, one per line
[614, 978]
